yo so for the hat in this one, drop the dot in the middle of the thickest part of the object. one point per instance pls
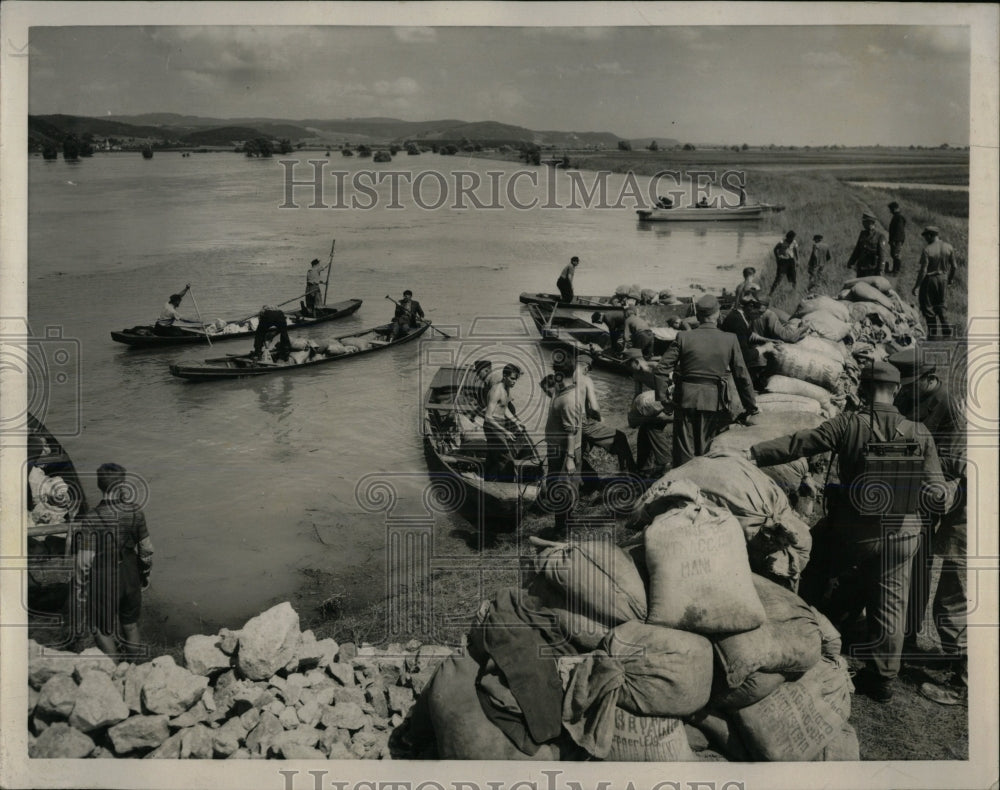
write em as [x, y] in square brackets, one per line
[633, 353]
[407, 292]
[574, 259]
[597, 317]
[314, 261]
[880, 372]
[911, 365]
[894, 205]
[707, 305]
[868, 216]
[930, 230]
[818, 237]
[790, 235]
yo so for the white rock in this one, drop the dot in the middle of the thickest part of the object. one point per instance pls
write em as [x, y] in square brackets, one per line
[139, 732]
[57, 697]
[268, 642]
[98, 703]
[203, 656]
[93, 658]
[172, 690]
[44, 662]
[197, 743]
[62, 742]
[226, 740]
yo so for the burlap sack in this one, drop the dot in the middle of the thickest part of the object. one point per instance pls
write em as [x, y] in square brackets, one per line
[820, 303]
[797, 362]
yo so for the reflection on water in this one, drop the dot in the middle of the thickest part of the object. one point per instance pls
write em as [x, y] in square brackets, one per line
[274, 394]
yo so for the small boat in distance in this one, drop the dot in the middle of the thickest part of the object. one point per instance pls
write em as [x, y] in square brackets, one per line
[655, 313]
[146, 337]
[147, 152]
[343, 348]
[706, 213]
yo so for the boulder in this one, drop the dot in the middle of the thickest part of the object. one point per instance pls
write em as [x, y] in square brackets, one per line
[44, 662]
[93, 658]
[196, 714]
[340, 751]
[296, 751]
[172, 689]
[267, 642]
[32, 700]
[353, 694]
[226, 740]
[346, 715]
[139, 732]
[135, 676]
[428, 657]
[342, 672]
[400, 699]
[170, 749]
[294, 686]
[60, 741]
[229, 689]
[311, 653]
[261, 737]
[57, 697]
[303, 736]
[197, 743]
[250, 718]
[309, 714]
[347, 652]
[98, 703]
[228, 641]
[203, 656]
[289, 718]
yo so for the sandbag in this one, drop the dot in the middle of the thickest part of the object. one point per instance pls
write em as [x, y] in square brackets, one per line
[833, 349]
[664, 334]
[461, 729]
[643, 408]
[796, 362]
[876, 281]
[756, 686]
[862, 310]
[699, 573]
[782, 424]
[844, 747]
[832, 642]
[825, 304]
[787, 385]
[648, 296]
[863, 292]
[826, 325]
[789, 640]
[769, 524]
[622, 290]
[783, 403]
[648, 739]
[788, 477]
[717, 730]
[800, 718]
[598, 579]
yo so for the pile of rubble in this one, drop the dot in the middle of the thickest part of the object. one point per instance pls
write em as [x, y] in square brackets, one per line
[267, 690]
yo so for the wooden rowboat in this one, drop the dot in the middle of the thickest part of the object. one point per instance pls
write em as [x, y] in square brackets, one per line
[146, 337]
[455, 446]
[235, 366]
[56, 463]
[707, 213]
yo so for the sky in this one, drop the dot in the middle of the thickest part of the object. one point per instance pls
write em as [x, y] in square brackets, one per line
[812, 85]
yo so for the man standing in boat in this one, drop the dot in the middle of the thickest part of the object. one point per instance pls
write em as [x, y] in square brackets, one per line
[565, 281]
[270, 318]
[169, 315]
[408, 314]
[314, 293]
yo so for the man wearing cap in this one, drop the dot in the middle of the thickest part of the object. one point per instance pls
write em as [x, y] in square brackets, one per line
[638, 333]
[869, 255]
[314, 293]
[169, 316]
[925, 398]
[565, 281]
[739, 322]
[408, 314]
[880, 547]
[615, 322]
[819, 257]
[937, 272]
[768, 325]
[701, 362]
[897, 235]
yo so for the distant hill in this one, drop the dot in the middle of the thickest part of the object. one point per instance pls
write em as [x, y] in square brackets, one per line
[662, 142]
[180, 129]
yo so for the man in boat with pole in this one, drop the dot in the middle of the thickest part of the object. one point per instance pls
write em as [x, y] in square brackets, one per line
[270, 318]
[314, 293]
[165, 324]
[408, 314]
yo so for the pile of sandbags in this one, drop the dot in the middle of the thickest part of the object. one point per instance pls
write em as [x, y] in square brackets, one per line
[690, 642]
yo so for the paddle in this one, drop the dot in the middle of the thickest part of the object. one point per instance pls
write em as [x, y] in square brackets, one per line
[445, 335]
[195, 302]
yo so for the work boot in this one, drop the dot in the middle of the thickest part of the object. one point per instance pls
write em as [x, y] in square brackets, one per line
[875, 686]
[945, 694]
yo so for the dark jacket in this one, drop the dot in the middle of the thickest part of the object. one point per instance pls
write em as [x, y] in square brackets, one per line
[701, 361]
[869, 255]
[737, 324]
[897, 228]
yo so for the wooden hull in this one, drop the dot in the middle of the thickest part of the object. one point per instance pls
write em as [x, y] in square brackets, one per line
[710, 214]
[143, 337]
[457, 460]
[238, 366]
[656, 314]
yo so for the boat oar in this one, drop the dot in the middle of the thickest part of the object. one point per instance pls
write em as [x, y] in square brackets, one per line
[445, 335]
[195, 302]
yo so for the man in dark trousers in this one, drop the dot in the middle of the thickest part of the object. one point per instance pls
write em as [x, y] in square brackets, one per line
[819, 257]
[615, 322]
[270, 318]
[937, 272]
[869, 255]
[700, 362]
[786, 259]
[880, 546]
[927, 399]
[739, 322]
[565, 281]
[408, 314]
[897, 235]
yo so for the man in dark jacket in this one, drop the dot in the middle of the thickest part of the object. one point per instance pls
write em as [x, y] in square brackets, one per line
[408, 314]
[701, 362]
[897, 235]
[739, 322]
[881, 546]
[869, 255]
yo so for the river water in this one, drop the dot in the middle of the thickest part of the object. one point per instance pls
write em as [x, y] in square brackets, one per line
[250, 482]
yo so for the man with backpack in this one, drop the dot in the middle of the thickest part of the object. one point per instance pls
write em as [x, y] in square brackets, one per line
[864, 532]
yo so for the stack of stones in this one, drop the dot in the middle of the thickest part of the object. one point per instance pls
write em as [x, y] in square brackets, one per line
[268, 690]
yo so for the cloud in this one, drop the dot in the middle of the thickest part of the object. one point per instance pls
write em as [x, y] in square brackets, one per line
[415, 35]
[402, 86]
